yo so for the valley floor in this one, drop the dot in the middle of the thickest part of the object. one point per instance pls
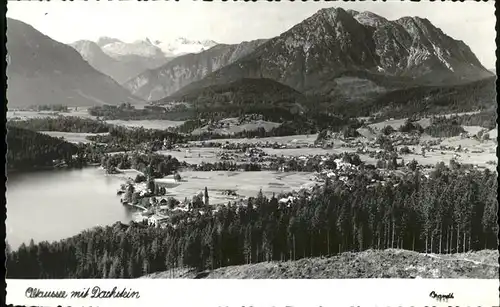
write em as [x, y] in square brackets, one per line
[390, 263]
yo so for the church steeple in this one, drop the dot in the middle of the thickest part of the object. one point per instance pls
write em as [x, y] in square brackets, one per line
[205, 197]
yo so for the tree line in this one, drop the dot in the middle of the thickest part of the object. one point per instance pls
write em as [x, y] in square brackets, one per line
[47, 107]
[126, 111]
[450, 211]
[299, 126]
[429, 100]
[225, 166]
[486, 119]
[28, 149]
[444, 130]
[151, 165]
[137, 138]
[62, 123]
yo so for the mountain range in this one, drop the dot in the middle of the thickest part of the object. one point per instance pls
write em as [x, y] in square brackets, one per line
[147, 47]
[345, 55]
[123, 61]
[335, 51]
[119, 67]
[42, 71]
[157, 83]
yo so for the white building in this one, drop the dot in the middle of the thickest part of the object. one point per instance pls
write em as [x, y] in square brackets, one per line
[156, 220]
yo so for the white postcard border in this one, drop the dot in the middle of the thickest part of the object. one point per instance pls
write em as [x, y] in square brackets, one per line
[261, 292]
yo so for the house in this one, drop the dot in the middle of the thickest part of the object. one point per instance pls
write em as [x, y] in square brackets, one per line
[287, 200]
[156, 220]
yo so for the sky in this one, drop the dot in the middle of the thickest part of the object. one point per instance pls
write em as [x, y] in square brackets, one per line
[234, 22]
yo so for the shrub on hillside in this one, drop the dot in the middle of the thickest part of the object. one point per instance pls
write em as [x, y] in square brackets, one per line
[140, 178]
[387, 130]
[409, 126]
[444, 130]
[413, 164]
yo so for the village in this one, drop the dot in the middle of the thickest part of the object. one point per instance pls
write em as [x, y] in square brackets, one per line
[333, 157]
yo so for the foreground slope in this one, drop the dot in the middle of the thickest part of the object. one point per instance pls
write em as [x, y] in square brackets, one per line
[43, 71]
[158, 83]
[390, 263]
[334, 50]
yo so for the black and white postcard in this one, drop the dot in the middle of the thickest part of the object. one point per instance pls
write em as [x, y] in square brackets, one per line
[282, 153]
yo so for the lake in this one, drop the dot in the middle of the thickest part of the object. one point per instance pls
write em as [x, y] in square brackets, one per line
[56, 204]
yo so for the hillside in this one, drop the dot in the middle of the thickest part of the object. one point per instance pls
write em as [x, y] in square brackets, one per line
[407, 102]
[478, 95]
[273, 100]
[120, 68]
[158, 83]
[42, 71]
[243, 91]
[390, 263]
[335, 50]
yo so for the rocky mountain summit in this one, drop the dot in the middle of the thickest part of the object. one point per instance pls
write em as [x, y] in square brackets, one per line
[334, 49]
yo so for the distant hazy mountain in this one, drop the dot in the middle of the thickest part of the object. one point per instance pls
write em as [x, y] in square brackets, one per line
[120, 68]
[122, 61]
[157, 83]
[335, 50]
[182, 45]
[494, 70]
[153, 48]
[43, 71]
[117, 48]
[137, 56]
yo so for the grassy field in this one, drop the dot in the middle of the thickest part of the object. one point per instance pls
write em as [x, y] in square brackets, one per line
[146, 124]
[80, 112]
[29, 114]
[292, 139]
[424, 122]
[390, 263]
[245, 184]
[396, 123]
[297, 152]
[493, 133]
[232, 126]
[479, 152]
[73, 137]
[83, 113]
[195, 155]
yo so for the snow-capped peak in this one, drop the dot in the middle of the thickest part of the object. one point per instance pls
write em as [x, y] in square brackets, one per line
[105, 40]
[182, 45]
[153, 47]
